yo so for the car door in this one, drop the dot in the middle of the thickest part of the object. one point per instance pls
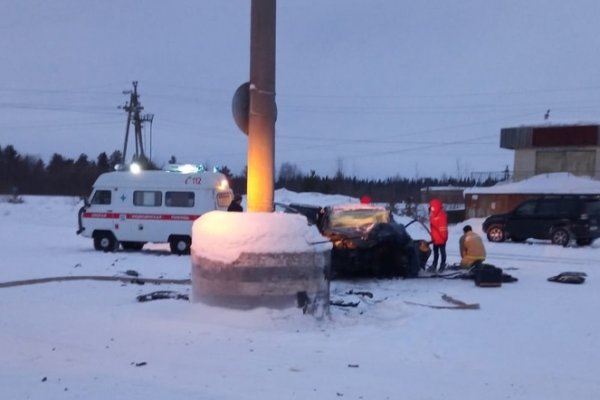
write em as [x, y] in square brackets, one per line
[547, 215]
[518, 223]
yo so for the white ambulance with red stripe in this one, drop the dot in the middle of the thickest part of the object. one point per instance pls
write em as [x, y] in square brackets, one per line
[132, 209]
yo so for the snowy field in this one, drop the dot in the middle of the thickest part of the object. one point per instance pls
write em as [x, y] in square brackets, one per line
[93, 340]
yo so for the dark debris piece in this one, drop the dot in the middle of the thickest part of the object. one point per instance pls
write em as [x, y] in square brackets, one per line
[360, 293]
[569, 277]
[161, 295]
[139, 364]
[342, 303]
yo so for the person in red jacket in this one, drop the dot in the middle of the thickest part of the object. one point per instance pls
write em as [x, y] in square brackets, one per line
[438, 223]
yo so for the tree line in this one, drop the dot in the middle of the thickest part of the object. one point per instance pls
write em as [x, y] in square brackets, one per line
[26, 174]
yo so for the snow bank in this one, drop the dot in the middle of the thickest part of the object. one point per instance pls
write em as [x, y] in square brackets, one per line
[318, 199]
[555, 183]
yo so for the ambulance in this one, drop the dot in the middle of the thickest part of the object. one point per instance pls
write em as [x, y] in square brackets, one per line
[131, 209]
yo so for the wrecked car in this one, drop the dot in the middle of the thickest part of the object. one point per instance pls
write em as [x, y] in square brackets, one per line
[367, 242]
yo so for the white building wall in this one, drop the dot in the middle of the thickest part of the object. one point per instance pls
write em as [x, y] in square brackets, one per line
[524, 164]
[597, 168]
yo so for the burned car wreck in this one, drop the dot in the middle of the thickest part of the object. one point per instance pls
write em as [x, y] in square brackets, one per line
[367, 242]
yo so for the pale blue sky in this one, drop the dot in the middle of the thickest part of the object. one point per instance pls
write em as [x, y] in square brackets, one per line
[377, 87]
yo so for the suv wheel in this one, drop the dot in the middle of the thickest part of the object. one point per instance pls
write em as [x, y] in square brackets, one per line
[495, 233]
[561, 237]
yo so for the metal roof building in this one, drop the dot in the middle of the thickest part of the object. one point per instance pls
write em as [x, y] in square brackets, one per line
[541, 149]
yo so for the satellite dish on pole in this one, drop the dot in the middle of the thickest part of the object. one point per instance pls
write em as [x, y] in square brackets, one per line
[240, 106]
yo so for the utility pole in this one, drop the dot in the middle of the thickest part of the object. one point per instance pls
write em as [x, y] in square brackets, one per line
[254, 109]
[262, 110]
[134, 108]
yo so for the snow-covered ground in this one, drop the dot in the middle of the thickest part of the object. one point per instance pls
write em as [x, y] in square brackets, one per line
[532, 339]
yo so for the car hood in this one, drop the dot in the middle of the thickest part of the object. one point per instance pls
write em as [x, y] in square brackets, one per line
[368, 236]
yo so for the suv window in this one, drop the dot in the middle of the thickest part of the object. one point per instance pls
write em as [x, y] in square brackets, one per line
[569, 207]
[526, 209]
[592, 207]
[548, 207]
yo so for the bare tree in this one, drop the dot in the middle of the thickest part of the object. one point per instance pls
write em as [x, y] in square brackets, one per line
[339, 173]
[289, 171]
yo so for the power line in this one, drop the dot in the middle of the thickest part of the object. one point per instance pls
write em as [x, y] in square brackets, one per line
[60, 125]
[62, 108]
[450, 95]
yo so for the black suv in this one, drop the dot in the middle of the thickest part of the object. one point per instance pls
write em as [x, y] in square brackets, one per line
[556, 218]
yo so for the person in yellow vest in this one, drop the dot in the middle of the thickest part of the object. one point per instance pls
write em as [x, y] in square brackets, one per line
[471, 246]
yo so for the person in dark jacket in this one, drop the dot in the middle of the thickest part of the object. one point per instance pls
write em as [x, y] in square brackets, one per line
[236, 204]
[438, 222]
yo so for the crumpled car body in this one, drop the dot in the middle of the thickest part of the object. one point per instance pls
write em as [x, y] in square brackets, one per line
[367, 242]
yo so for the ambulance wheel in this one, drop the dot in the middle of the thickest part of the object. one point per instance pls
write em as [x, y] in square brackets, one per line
[105, 241]
[180, 244]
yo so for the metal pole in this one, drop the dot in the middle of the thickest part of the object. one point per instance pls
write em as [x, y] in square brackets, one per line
[124, 155]
[261, 127]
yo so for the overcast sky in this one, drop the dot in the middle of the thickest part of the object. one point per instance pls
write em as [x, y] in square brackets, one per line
[376, 88]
